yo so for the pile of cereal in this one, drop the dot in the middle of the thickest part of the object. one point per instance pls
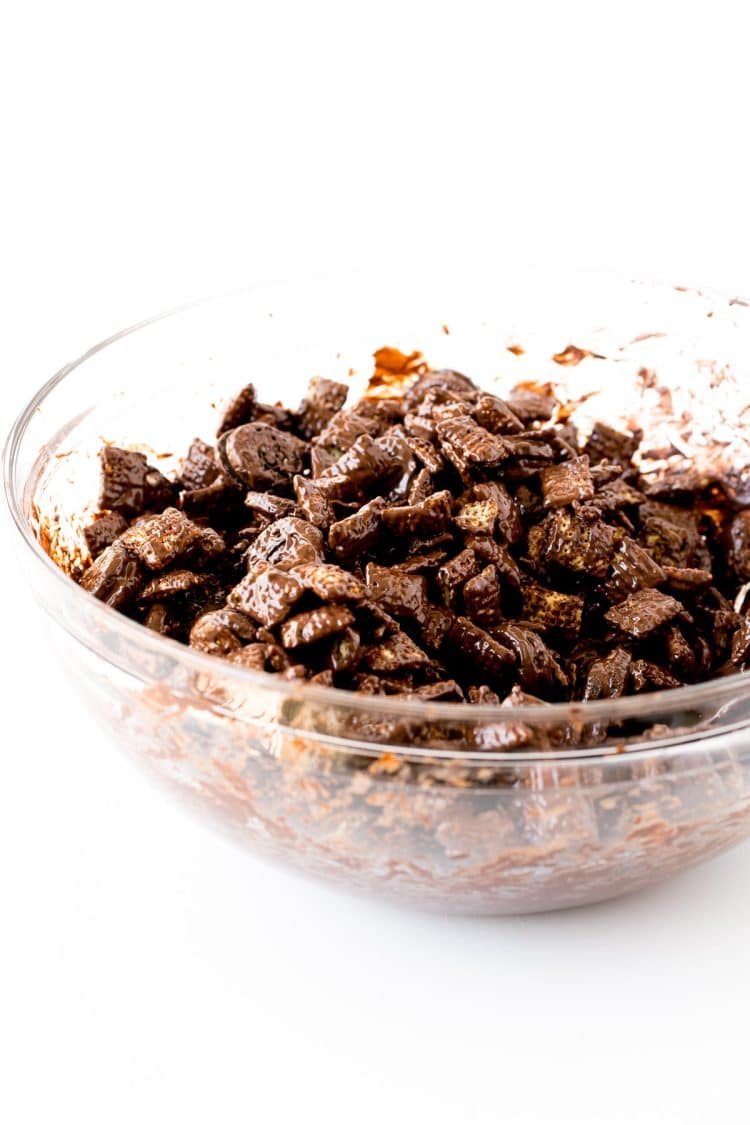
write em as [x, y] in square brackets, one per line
[442, 543]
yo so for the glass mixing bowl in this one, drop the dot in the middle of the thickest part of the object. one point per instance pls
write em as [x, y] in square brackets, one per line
[402, 798]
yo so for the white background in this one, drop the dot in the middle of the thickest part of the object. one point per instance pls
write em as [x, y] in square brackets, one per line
[154, 153]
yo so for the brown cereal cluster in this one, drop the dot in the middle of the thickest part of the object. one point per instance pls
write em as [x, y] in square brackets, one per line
[441, 543]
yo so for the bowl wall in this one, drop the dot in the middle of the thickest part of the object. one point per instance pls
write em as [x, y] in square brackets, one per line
[441, 836]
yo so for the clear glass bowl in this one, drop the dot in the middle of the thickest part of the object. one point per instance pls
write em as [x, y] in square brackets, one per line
[400, 798]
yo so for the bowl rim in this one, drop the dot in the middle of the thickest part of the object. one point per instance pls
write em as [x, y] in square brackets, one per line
[712, 692]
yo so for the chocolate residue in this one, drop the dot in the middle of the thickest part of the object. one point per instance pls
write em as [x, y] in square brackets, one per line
[394, 371]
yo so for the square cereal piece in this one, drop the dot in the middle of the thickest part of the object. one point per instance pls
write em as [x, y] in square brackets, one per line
[103, 530]
[566, 540]
[200, 468]
[313, 504]
[267, 594]
[396, 653]
[404, 595]
[644, 612]
[239, 410]
[452, 575]
[323, 400]
[478, 517]
[159, 541]
[355, 535]
[492, 659]
[550, 609]
[130, 485]
[115, 577]
[428, 517]
[331, 583]
[482, 597]
[538, 669]
[316, 625]
[477, 445]
[633, 569]
[564, 483]
[287, 543]
[607, 678]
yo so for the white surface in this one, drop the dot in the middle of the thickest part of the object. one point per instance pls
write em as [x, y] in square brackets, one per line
[148, 971]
